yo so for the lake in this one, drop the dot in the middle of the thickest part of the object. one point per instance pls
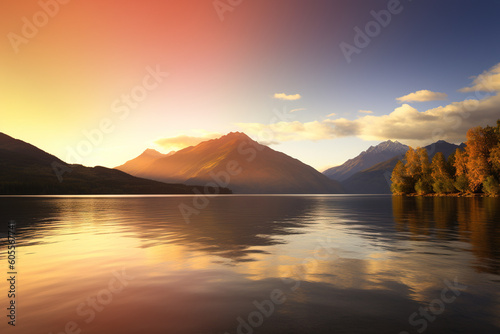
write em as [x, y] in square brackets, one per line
[253, 264]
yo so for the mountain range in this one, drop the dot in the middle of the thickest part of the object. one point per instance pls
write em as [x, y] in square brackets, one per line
[26, 169]
[375, 178]
[366, 159]
[235, 161]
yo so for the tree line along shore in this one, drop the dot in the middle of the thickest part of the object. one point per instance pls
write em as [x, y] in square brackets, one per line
[473, 171]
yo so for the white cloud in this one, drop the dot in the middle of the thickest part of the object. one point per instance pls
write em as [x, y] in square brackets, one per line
[366, 111]
[182, 141]
[331, 115]
[298, 109]
[488, 81]
[315, 130]
[283, 96]
[405, 123]
[422, 96]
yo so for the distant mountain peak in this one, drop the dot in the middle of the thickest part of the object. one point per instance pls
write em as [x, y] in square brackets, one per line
[388, 145]
[152, 152]
[253, 168]
[147, 157]
[366, 159]
[236, 135]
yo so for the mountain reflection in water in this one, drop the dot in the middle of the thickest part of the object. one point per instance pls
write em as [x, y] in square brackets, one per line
[346, 264]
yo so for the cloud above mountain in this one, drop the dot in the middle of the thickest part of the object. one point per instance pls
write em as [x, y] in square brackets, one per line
[183, 141]
[405, 123]
[422, 96]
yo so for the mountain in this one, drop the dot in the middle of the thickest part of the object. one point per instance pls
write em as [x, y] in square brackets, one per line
[240, 163]
[377, 179]
[444, 147]
[366, 159]
[147, 157]
[373, 180]
[25, 169]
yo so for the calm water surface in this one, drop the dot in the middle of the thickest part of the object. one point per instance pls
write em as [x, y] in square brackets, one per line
[254, 264]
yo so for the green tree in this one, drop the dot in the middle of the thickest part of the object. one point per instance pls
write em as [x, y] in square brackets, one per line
[450, 162]
[401, 183]
[491, 186]
[424, 182]
[462, 183]
[442, 182]
[423, 186]
[417, 169]
[495, 159]
[460, 165]
[423, 160]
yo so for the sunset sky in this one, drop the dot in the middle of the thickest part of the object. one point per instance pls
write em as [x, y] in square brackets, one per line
[272, 69]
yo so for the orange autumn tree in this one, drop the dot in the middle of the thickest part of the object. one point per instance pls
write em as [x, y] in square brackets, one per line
[480, 142]
[474, 170]
[460, 165]
[412, 166]
[414, 174]
[442, 182]
[401, 183]
[495, 153]
[495, 159]
[424, 181]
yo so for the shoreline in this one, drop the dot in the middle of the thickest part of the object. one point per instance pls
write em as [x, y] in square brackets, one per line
[447, 195]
